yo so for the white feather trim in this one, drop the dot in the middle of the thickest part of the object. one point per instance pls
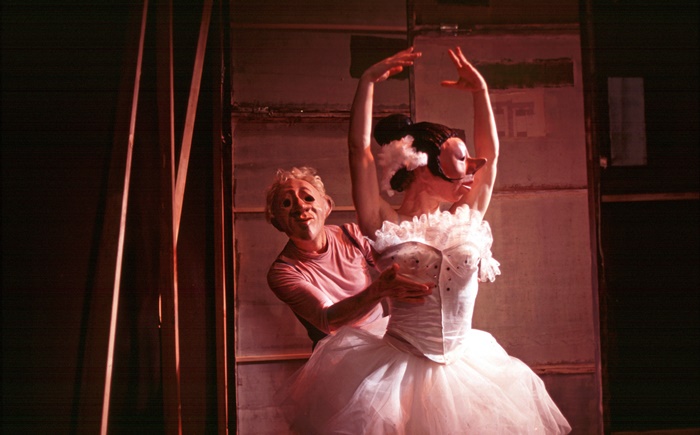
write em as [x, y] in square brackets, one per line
[395, 155]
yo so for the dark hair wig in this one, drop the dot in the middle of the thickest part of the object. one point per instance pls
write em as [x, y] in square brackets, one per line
[427, 138]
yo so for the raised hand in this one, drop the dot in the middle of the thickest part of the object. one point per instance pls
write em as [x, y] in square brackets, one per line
[386, 68]
[469, 77]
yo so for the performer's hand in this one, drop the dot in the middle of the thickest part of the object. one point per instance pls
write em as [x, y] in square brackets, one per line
[404, 289]
[469, 77]
[386, 68]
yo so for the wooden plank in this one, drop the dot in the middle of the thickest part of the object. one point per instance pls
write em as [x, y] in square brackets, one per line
[641, 197]
[541, 369]
[170, 334]
[507, 194]
[348, 28]
[262, 209]
[221, 135]
[122, 230]
[190, 117]
[96, 363]
[247, 359]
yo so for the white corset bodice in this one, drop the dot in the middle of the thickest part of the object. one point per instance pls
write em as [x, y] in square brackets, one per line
[452, 251]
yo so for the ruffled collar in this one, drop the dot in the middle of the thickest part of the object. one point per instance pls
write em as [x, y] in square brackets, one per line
[440, 229]
[443, 230]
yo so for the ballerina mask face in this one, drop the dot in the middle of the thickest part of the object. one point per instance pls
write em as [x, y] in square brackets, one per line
[300, 210]
[455, 163]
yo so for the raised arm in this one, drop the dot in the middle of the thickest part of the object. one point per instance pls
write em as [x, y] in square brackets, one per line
[371, 208]
[485, 133]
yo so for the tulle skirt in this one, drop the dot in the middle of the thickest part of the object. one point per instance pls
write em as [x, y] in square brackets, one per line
[357, 382]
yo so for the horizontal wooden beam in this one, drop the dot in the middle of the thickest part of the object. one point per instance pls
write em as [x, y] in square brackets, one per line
[249, 359]
[312, 27]
[520, 194]
[456, 29]
[243, 111]
[540, 369]
[644, 197]
[564, 369]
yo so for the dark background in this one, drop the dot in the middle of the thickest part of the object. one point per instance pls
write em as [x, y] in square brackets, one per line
[62, 67]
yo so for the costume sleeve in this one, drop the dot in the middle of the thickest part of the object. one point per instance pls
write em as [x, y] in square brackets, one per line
[305, 299]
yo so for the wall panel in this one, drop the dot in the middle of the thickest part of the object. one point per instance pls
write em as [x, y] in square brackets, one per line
[284, 69]
[356, 13]
[262, 148]
[548, 150]
[540, 308]
[255, 388]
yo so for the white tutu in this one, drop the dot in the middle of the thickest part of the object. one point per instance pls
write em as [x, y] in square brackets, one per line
[430, 373]
[359, 383]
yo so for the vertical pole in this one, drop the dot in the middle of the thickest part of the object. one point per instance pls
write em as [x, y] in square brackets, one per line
[592, 119]
[91, 372]
[168, 281]
[232, 372]
[410, 20]
[122, 230]
[175, 193]
[190, 117]
[222, 203]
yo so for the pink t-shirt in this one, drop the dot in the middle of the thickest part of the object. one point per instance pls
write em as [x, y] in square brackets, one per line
[310, 283]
